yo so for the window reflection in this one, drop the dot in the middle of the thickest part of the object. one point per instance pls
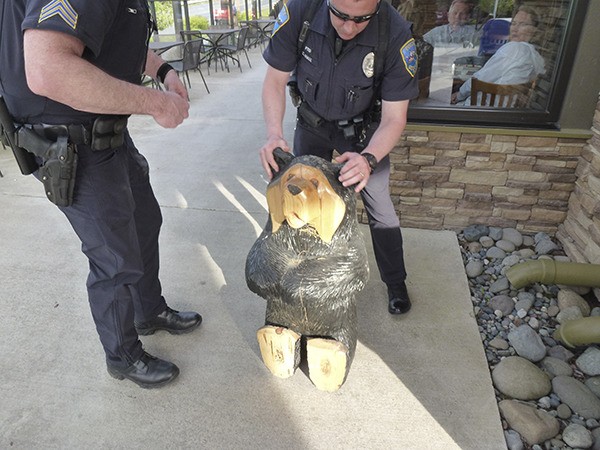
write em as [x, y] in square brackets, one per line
[504, 42]
[459, 30]
[514, 62]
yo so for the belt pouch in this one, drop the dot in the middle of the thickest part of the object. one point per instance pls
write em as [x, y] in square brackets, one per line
[347, 128]
[108, 132]
[310, 117]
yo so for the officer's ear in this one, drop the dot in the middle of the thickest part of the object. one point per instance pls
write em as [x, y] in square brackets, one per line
[282, 158]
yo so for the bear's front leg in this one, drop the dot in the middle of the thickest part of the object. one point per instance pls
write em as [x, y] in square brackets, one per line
[280, 350]
[328, 363]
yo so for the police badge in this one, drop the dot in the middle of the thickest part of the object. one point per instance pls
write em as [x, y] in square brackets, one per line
[368, 64]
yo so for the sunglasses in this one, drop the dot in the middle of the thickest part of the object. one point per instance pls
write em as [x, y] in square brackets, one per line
[346, 17]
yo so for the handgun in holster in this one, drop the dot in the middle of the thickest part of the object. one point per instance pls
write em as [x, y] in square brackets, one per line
[59, 167]
[59, 159]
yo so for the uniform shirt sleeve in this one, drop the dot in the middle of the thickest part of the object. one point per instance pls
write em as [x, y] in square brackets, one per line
[401, 68]
[86, 20]
[281, 52]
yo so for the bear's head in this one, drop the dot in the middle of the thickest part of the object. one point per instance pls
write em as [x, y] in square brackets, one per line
[306, 191]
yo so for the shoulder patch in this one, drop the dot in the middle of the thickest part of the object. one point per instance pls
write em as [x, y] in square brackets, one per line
[409, 56]
[282, 19]
[62, 9]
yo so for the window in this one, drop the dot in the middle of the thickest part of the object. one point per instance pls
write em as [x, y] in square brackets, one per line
[522, 49]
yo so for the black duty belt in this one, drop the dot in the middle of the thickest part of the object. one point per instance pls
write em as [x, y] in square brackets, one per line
[77, 134]
[354, 128]
[104, 133]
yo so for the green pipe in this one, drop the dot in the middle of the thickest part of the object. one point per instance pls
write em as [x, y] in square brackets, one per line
[579, 332]
[548, 271]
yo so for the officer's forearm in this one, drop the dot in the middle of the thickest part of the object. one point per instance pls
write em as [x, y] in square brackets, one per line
[55, 69]
[274, 112]
[273, 100]
[384, 140]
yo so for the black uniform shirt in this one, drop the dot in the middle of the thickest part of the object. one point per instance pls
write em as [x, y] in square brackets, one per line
[115, 34]
[342, 88]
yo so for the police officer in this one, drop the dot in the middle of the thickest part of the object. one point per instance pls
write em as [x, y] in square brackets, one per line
[334, 62]
[70, 72]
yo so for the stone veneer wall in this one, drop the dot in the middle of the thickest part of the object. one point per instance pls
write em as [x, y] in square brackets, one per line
[580, 231]
[449, 180]
[535, 183]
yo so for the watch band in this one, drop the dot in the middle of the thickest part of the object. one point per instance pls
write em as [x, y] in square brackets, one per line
[161, 73]
[371, 159]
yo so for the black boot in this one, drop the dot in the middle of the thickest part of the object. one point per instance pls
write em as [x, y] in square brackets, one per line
[399, 302]
[147, 372]
[174, 322]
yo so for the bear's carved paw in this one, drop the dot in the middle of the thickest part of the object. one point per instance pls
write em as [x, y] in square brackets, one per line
[327, 363]
[280, 350]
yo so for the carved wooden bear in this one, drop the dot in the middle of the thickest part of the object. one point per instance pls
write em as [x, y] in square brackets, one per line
[309, 263]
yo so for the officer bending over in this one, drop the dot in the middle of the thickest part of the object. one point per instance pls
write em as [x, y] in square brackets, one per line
[70, 73]
[338, 78]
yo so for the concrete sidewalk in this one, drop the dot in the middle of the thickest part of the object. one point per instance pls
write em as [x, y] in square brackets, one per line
[417, 382]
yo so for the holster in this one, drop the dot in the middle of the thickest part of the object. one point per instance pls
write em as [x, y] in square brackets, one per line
[295, 94]
[55, 147]
[59, 167]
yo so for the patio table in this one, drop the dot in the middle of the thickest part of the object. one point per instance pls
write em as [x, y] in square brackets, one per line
[263, 29]
[217, 37]
[161, 47]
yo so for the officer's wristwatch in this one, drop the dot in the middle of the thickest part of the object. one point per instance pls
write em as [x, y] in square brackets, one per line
[371, 160]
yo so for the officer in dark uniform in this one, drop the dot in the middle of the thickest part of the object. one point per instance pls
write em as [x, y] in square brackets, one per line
[338, 78]
[70, 74]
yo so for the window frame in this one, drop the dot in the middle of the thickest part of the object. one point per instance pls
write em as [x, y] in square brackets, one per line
[519, 118]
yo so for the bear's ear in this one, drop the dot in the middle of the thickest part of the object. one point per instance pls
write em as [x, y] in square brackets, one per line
[282, 158]
[336, 167]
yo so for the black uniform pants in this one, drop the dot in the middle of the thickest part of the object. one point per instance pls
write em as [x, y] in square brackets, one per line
[383, 220]
[118, 219]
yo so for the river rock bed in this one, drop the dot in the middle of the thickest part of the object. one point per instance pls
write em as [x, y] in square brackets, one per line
[548, 394]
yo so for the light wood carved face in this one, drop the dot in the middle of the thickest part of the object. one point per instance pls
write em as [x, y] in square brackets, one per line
[303, 195]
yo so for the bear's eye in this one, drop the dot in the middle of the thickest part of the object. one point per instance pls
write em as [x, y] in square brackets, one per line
[315, 182]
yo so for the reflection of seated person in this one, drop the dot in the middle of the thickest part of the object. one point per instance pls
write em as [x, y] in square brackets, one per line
[456, 31]
[516, 62]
